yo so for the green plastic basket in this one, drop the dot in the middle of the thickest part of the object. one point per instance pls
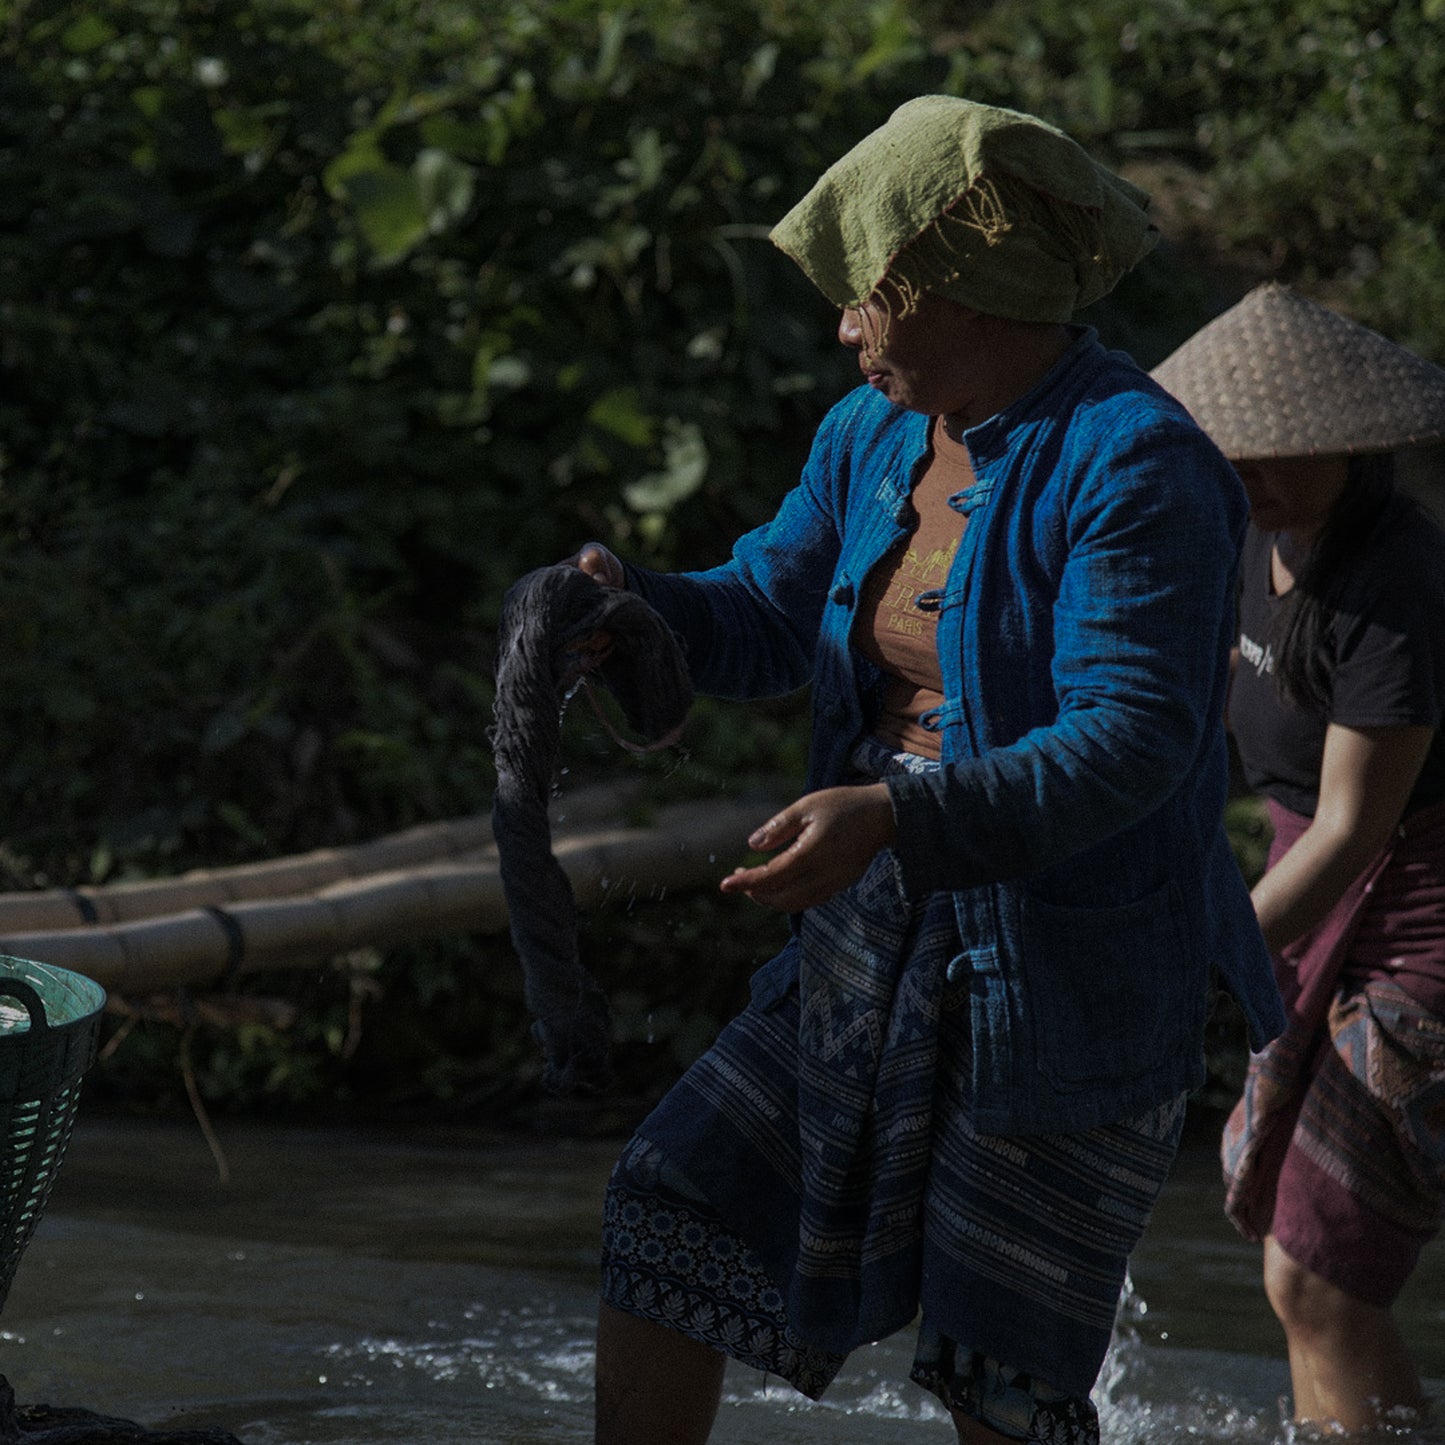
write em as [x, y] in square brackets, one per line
[49, 1030]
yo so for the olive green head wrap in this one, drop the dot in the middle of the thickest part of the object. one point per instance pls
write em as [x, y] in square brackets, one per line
[989, 207]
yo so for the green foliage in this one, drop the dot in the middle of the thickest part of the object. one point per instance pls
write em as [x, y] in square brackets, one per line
[319, 324]
[324, 323]
[1307, 132]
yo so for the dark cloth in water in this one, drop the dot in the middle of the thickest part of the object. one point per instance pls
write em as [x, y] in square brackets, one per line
[69, 1425]
[549, 621]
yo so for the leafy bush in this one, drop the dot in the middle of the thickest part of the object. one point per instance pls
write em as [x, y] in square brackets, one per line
[1301, 137]
[320, 328]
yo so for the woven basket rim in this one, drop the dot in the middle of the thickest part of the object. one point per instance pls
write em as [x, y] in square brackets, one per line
[78, 996]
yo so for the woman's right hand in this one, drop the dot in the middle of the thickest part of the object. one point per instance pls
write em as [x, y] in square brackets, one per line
[604, 569]
[599, 564]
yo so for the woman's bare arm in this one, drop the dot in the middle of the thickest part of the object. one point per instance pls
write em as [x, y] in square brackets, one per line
[1365, 781]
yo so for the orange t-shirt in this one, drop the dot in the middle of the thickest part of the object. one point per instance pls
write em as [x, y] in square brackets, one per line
[890, 629]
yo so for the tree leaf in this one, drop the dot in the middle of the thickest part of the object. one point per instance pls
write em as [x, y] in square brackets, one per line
[620, 413]
[682, 473]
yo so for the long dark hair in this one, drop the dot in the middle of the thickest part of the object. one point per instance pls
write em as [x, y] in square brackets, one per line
[1301, 637]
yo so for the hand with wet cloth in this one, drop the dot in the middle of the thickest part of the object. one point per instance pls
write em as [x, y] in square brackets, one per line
[600, 564]
[822, 843]
[603, 568]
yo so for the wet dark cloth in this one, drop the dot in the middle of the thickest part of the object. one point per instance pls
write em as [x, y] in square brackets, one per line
[69, 1425]
[1386, 646]
[1337, 1146]
[548, 620]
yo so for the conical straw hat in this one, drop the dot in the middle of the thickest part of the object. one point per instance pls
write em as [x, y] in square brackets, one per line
[1280, 376]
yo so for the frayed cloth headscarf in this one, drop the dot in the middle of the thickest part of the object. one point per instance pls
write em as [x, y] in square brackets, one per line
[990, 207]
[547, 618]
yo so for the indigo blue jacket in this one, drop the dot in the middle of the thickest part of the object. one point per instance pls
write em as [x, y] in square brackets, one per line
[1083, 633]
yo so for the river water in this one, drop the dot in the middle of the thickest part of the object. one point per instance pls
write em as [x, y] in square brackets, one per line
[358, 1287]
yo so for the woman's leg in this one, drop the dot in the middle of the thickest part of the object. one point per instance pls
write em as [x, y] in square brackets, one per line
[970, 1432]
[1348, 1364]
[654, 1386]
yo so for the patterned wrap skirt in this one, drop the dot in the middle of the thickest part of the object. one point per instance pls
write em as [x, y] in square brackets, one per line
[812, 1184]
[1337, 1147]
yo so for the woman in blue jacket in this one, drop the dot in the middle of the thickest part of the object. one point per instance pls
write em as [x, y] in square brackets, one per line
[1007, 574]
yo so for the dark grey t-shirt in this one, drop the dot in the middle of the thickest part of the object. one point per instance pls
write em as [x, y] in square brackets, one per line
[1387, 662]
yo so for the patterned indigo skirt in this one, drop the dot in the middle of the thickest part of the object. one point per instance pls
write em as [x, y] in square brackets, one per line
[812, 1183]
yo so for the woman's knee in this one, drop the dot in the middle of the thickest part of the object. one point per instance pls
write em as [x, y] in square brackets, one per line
[1303, 1301]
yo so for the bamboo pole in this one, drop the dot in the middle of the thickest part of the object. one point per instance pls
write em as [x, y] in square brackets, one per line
[51, 909]
[689, 844]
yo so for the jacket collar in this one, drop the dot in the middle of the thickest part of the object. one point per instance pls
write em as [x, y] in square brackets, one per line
[996, 436]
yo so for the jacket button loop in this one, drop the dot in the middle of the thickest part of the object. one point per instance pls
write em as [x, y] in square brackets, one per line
[842, 594]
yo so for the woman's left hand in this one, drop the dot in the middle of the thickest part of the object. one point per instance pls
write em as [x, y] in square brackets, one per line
[823, 842]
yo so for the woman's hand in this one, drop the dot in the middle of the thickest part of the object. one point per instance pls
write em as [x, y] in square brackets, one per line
[599, 564]
[824, 842]
[603, 568]
[1366, 778]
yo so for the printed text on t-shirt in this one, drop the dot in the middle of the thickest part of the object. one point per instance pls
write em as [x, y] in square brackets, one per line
[1261, 659]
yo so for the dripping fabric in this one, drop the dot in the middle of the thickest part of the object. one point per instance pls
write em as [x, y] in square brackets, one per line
[550, 621]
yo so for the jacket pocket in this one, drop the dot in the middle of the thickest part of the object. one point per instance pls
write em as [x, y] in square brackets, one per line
[1109, 987]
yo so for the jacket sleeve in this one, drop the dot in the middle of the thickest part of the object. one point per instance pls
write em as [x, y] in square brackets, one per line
[1141, 625]
[749, 627]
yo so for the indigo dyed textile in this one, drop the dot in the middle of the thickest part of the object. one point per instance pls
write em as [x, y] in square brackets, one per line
[667, 1258]
[831, 1128]
[550, 619]
[1083, 635]
[1015, 1248]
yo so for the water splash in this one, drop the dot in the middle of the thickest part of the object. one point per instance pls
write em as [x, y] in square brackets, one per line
[1126, 1349]
[1151, 1394]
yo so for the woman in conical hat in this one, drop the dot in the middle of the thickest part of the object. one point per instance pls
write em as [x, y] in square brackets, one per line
[1335, 1156]
[1007, 573]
